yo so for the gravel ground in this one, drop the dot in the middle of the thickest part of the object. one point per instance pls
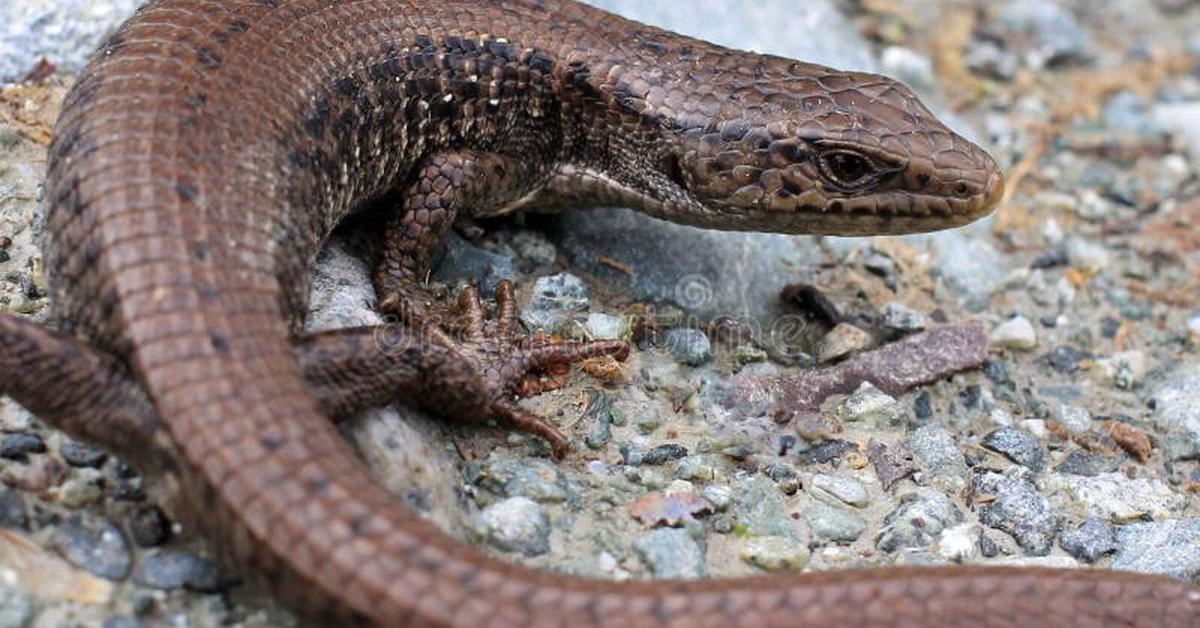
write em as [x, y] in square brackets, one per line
[1075, 442]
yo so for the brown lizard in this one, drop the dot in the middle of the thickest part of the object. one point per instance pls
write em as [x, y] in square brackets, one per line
[212, 145]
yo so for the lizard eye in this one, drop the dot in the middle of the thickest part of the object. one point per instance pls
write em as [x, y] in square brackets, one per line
[846, 169]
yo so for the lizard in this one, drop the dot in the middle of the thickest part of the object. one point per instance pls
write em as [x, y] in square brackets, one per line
[210, 147]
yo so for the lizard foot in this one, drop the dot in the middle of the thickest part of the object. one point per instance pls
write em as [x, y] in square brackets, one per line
[493, 362]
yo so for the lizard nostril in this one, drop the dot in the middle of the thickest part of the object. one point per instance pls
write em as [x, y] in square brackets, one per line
[923, 180]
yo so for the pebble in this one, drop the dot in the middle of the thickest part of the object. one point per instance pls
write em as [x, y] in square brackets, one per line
[12, 509]
[517, 524]
[1088, 542]
[843, 340]
[719, 495]
[148, 526]
[775, 553]
[1077, 420]
[758, 506]
[935, 449]
[671, 554]
[689, 346]
[923, 405]
[555, 298]
[1176, 401]
[870, 405]
[1019, 510]
[1018, 446]
[16, 607]
[1116, 497]
[833, 489]
[1058, 36]
[607, 327]
[464, 260]
[79, 455]
[18, 446]
[1170, 548]
[1087, 464]
[909, 66]
[81, 489]
[901, 319]
[168, 570]
[700, 468]
[1085, 255]
[664, 454]
[958, 543]
[833, 523]
[93, 544]
[1065, 359]
[1125, 370]
[970, 265]
[918, 520]
[1018, 333]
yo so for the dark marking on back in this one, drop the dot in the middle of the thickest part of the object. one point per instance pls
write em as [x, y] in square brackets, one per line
[315, 121]
[271, 443]
[186, 191]
[348, 86]
[200, 250]
[220, 342]
[208, 58]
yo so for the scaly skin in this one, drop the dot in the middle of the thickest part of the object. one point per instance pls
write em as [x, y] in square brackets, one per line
[210, 147]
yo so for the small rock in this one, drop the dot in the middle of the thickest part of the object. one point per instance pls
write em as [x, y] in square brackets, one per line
[12, 510]
[80, 490]
[834, 524]
[463, 260]
[1115, 497]
[970, 265]
[1089, 541]
[664, 454]
[1017, 446]
[935, 450]
[1077, 420]
[517, 524]
[174, 569]
[775, 553]
[18, 446]
[918, 520]
[901, 319]
[16, 608]
[833, 489]
[923, 405]
[759, 508]
[719, 495]
[1169, 548]
[606, 326]
[1019, 510]
[1018, 333]
[700, 468]
[1085, 255]
[1087, 464]
[148, 526]
[958, 543]
[671, 554]
[555, 298]
[93, 544]
[868, 404]
[843, 340]
[689, 346]
[1176, 402]
[908, 65]
[1126, 369]
[1058, 36]
[78, 455]
[1065, 359]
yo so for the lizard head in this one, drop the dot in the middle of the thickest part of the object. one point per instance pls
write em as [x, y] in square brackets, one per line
[808, 149]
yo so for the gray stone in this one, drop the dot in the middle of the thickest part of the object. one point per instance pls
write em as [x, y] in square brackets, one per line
[95, 545]
[775, 553]
[554, 299]
[900, 318]
[19, 446]
[1177, 401]
[1086, 255]
[12, 509]
[64, 32]
[936, 451]
[843, 340]
[1087, 464]
[832, 523]
[705, 273]
[913, 68]
[517, 524]
[16, 608]
[759, 507]
[462, 260]
[174, 569]
[538, 480]
[689, 346]
[917, 521]
[1116, 497]
[1058, 36]
[838, 490]
[1170, 548]
[870, 405]
[969, 265]
[607, 327]
[1016, 333]
[671, 554]
[1091, 540]
[1018, 446]
[1019, 510]
[1183, 118]
[80, 455]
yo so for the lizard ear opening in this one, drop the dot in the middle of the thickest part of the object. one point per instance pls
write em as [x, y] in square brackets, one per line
[674, 170]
